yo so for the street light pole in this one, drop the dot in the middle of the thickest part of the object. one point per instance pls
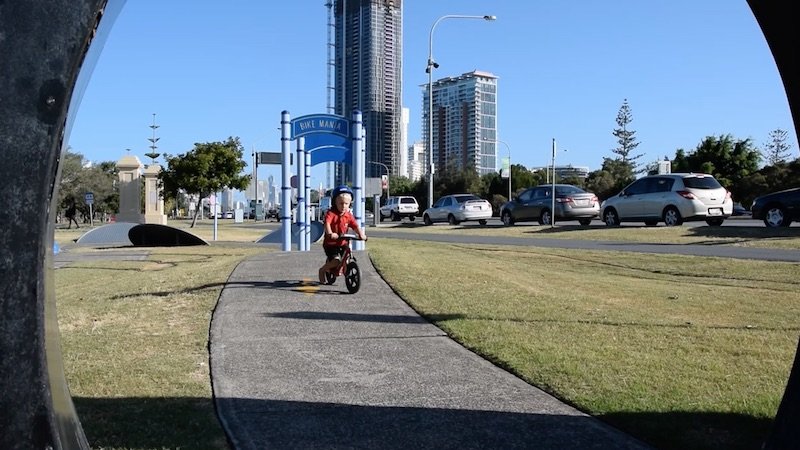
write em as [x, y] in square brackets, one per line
[433, 65]
[255, 187]
[553, 194]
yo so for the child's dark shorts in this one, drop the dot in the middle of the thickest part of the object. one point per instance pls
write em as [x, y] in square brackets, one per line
[334, 251]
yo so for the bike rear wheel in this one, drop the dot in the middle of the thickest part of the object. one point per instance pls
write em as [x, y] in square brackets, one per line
[352, 277]
[330, 277]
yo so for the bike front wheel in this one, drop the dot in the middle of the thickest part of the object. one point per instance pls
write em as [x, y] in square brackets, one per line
[352, 277]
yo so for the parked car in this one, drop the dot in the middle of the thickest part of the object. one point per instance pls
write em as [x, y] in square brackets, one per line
[777, 209]
[457, 208]
[399, 207]
[536, 203]
[670, 198]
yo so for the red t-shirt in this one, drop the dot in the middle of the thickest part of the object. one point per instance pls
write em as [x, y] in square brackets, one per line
[339, 225]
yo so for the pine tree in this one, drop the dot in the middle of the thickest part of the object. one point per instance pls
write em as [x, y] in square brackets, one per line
[625, 137]
[776, 150]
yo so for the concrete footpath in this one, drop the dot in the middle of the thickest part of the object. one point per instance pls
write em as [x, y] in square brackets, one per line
[298, 365]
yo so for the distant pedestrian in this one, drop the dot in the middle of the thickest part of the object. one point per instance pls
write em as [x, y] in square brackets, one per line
[70, 214]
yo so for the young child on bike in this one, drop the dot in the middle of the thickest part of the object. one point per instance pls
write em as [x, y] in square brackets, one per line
[337, 220]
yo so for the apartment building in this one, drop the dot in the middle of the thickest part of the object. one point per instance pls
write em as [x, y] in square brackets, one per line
[464, 122]
[416, 161]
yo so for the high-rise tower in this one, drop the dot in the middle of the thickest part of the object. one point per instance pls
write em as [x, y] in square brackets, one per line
[368, 48]
[464, 122]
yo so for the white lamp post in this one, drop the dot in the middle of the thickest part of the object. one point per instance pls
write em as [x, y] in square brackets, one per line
[553, 199]
[433, 65]
[553, 194]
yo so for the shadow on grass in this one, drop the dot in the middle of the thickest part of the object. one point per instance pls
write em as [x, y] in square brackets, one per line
[745, 233]
[439, 319]
[150, 423]
[725, 235]
[416, 224]
[190, 423]
[694, 430]
[292, 285]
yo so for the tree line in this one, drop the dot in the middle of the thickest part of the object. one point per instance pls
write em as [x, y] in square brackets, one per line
[735, 163]
[200, 172]
[211, 166]
[79, 176]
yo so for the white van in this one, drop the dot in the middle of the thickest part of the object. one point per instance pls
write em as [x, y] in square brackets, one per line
[399, 207]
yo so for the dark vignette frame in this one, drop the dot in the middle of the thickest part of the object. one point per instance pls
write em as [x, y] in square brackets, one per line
[44, 45]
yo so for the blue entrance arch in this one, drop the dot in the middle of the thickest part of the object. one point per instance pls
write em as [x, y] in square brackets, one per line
[320, 138]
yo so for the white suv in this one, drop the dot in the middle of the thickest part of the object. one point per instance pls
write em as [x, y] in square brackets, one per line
[398, 207]
[670, 198]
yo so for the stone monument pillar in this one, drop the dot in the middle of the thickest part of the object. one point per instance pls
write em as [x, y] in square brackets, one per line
[130, 188]
[153, 202]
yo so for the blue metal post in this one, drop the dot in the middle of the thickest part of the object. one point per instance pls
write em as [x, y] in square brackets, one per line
[308, 201]
[358, 171]
[362, 170]
[301, 190]
[286, 188]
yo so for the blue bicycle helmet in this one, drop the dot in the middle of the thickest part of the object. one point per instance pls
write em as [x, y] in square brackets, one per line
[341, 190]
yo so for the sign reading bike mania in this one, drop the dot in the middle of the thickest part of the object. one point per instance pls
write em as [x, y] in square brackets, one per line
[320, 123]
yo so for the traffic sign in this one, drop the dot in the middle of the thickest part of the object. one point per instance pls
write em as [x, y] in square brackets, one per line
[89, 198]
[272, 158]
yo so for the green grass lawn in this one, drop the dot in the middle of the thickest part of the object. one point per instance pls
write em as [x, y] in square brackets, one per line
[680, 351]
[757, 236]
[135, 345]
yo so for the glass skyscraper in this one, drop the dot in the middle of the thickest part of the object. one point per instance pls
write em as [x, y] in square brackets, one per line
[368, 75]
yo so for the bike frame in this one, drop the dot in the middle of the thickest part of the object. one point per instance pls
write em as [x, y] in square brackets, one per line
[346, 258]
[347, 268]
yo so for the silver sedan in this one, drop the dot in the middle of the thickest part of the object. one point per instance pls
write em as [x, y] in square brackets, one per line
[457, 208]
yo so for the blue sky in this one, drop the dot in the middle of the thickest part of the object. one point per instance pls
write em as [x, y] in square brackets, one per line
[210, 69]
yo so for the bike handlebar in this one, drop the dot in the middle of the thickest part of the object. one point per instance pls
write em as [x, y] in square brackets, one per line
[350, 237]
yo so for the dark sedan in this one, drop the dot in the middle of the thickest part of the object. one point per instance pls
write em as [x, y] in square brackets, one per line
[777, 209]
[572, 203]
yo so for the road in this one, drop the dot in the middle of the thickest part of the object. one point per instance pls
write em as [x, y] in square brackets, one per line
[726, 251]
[731, 222]
[401, 230]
